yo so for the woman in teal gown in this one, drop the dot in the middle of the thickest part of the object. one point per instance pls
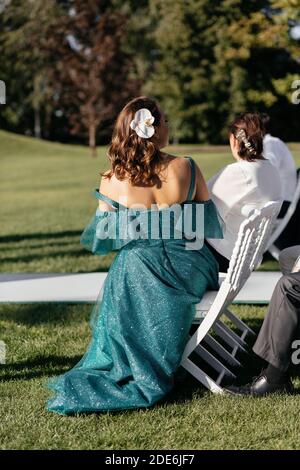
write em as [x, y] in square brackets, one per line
[141, 320]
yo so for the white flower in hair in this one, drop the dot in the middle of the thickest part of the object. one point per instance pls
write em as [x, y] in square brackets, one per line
[142, 123]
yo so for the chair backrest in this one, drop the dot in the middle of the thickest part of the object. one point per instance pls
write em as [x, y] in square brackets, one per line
[280, 224]
[252, 238]
[247, 253]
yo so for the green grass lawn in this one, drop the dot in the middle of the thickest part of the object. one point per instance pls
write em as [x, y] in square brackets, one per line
[46, 202]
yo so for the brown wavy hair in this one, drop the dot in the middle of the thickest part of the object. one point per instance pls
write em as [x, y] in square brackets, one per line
[132, 157]
[252, 124]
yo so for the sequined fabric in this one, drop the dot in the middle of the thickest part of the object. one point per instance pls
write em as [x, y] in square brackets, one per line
[141, 319]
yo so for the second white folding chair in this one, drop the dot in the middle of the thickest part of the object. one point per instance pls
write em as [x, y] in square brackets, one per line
[280, 224]
[216, 344]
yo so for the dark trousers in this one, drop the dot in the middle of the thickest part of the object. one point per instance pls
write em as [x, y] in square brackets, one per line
[281, 325]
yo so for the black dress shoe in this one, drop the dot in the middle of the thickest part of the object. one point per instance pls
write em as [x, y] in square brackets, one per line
[260, 387]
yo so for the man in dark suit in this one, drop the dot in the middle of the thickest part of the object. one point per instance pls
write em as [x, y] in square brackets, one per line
[278, 340]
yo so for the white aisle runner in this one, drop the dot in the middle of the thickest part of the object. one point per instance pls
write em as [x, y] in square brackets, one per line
[59, 287]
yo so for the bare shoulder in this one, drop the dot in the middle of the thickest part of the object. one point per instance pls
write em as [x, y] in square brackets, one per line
[177, 164]
[183, 171]
[184, 167]
[175, 160]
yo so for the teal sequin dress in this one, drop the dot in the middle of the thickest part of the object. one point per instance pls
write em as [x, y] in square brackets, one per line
[141, 320]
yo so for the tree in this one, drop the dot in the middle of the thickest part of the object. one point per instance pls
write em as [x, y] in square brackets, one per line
[23, 65]
[92, 75]
[217, 58]
[273, 62]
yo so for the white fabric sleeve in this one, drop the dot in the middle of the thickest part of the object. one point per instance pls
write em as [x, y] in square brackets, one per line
[228, 187]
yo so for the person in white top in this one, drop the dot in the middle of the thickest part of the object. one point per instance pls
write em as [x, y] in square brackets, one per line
[247, 184]
[279, 155]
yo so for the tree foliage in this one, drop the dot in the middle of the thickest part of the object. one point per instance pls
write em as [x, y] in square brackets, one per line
[218, 58]
[23, 66]
[71, 65]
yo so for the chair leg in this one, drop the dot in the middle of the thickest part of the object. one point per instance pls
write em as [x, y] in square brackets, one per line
[239, 324]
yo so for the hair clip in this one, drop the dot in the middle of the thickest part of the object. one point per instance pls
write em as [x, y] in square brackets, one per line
[241, 137]
[142, 123]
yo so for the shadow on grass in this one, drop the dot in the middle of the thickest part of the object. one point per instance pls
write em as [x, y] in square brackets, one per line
[33, 246]
[74, 240]
[39, 366]
[39, 236]
[185, 389]
[41, 313]
[34, 257]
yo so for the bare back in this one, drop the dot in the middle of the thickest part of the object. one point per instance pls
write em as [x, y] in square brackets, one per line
[173, 187]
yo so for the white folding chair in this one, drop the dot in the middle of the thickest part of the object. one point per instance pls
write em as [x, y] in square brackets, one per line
[220, 351]
[280, 224]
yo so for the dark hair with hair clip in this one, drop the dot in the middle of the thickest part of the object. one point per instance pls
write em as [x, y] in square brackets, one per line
[249, 132]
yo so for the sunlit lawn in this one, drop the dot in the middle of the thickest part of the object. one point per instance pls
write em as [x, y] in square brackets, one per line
[46, 195]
